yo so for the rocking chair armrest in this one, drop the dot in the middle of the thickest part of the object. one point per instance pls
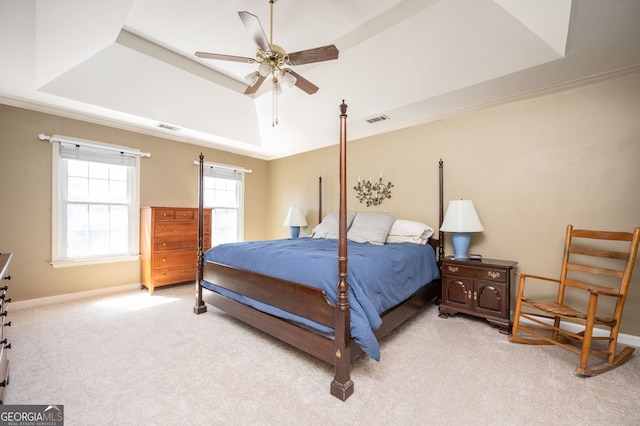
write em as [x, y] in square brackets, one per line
[537, 277]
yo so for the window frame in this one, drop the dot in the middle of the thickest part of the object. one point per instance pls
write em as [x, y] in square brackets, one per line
[58, 223]
[224, 170]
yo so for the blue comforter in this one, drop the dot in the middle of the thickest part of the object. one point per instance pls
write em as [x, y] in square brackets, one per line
[379, 277]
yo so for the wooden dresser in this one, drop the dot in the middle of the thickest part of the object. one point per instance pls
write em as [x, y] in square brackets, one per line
[5, 258]
[169, 244]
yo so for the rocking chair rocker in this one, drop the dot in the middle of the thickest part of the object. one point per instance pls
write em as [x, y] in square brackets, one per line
[589, 258]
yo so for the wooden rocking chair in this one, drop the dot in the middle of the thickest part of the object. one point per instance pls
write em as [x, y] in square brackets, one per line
[589, 257]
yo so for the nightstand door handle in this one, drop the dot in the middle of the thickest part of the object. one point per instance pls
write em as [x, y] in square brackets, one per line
[469, 294]
[475, 295]
[493, 274]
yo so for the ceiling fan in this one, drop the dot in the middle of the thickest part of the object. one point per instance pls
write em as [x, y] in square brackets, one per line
[274, 60]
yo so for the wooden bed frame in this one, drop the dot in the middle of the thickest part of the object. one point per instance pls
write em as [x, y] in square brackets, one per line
[308, 301]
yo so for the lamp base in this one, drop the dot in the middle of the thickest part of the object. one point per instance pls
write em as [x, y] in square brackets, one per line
[295, 231]
[461, 242]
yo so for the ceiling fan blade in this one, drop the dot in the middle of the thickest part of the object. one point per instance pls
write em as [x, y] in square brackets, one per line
[224, 57]
[319, 54]
[253, 89]
[304, 84]
[252, 24]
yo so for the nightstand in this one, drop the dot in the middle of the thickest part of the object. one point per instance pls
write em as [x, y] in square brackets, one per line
[481, 288]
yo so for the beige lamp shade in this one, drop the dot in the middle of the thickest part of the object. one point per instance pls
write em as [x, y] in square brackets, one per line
[295, 217]
[461, 217]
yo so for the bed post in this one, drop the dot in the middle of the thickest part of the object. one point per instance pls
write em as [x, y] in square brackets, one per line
[200, 307]
[342, 386]
[441, 199]
[320, 199]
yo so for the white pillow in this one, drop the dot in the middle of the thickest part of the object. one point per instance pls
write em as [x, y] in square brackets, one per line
[402, 239]
[328, 228]
[410, 228]
[371, 227]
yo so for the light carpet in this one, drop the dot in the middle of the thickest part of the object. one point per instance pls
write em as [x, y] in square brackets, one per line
[134, 359]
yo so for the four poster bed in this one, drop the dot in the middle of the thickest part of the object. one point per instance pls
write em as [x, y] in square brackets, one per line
[340, 311]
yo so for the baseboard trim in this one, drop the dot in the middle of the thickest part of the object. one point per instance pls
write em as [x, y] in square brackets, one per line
[623, 339]
[30, 303]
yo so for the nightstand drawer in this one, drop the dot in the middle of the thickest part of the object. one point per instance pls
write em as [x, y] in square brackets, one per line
[491, 274]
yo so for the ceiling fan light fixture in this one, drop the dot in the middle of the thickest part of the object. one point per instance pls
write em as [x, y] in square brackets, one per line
[264, 69]
[289, 79]
[251, 78]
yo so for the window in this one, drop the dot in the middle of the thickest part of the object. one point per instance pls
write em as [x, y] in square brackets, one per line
[95, 202]
[224, 193]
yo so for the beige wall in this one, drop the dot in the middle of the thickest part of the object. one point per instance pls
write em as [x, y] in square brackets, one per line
[168, 178]
[530, 167]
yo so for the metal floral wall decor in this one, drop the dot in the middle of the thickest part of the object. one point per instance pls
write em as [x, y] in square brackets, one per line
[372, 193]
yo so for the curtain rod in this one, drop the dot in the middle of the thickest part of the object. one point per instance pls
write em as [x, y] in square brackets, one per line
[92, 144]
[224, 166]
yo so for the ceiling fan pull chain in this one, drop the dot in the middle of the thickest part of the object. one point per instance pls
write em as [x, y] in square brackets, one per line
[274, 120]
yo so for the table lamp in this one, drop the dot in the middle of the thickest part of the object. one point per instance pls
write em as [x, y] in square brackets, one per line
[461, 219]
[294, 220]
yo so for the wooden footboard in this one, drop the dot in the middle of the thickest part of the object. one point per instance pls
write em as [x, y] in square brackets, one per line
[314, 344]
[302, 300]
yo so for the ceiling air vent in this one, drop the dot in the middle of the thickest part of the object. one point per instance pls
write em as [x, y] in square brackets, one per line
[376, 119]
[168, 127]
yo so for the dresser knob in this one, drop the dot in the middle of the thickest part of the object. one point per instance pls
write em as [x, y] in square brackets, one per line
[4, 314]
[3, 383]
[6, 287]
[8, 324]
[8, 277]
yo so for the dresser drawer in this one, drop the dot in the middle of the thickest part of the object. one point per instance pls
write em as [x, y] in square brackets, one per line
[173, 229]
[176, 258]
[490, 274]
[174, 275]
[186, 214]
[165, 214]
[4, 370]
[178, 243]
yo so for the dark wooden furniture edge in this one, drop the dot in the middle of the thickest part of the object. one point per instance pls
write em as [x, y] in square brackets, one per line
[337, 352]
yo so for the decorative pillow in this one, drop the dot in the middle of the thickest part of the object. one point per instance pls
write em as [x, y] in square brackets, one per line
[371, 227]
[409, 228]
[328, 228]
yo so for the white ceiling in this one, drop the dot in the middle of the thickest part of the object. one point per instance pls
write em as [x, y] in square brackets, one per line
[131, 63]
